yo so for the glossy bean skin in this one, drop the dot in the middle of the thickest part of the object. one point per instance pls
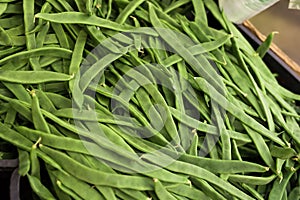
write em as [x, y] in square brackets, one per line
[98, 178]
[128, 10]
[82, 189]
[54, 51]
[161, 192]
[37, 117]
[32, 77]
[38, 188]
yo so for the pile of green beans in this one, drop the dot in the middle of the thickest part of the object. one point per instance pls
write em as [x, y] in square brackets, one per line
[91, 116]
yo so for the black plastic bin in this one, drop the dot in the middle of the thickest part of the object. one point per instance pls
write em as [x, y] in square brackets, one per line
[8, 178]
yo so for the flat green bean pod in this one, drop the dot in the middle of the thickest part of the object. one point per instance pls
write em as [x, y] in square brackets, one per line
[32, 77]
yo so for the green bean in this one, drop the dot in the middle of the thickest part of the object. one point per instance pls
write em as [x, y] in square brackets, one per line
[252, 191]
[251, 179]
[175, 5]
[265, 106]
[81, 188]
[96, 177]
[91, 149]
[18, 30]
[32, 77]
[226, 166]
[59, 101]
[203, 127]
[279, 185]
[21, 109]
[10, 117]
[186, 191]
[81, 18]
[128, 10]
[14, 9]
[195, 63]
[156, 95]
[6, 39]
[44, 101]
[13, 40]
[225, 137]
[264, 47]
[200, 16]
[9, 51]
[122, 195]
[39, 121]
[49, 51]
[59, 193]
[55, 87]
[67, 191]
[28, 10]
[207, 189]
[262, 147]
[56, 5]
[195, 171]
[282, 152]
[90, 115]
[74, 68]
[61, 35]
[24, 162]
[22, 142]
[295, 134]
[46, 61]
[19, 91]
[237, 112]
[11, 22]
[279, 165]
[35, 165]
[193, 149]
[3, 7]
[39, 188]
[107, 192]
[15, 138]
[169, 21]
[161, 192]
[294, 194]
[95, 69]
[65, 5]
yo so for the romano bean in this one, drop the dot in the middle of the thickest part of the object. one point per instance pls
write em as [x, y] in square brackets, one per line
[49, 51]
[264, 47]
[39, 188]
[128, 10]
[81, 18]
[32, 77]
[280, 185]
[81, 188]
[37, 116]
[106, 121]
[252, 179]
[161, 192]
[3, 7]
[96, 177]
[68, 191]
[262, 147]
[186, 191]
[19, 91]
[24, 162]
[201, 173]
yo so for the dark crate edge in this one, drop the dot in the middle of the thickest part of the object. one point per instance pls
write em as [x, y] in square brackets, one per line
[286, 76]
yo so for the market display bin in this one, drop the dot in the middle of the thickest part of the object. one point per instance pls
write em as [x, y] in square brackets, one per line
[15, 187]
